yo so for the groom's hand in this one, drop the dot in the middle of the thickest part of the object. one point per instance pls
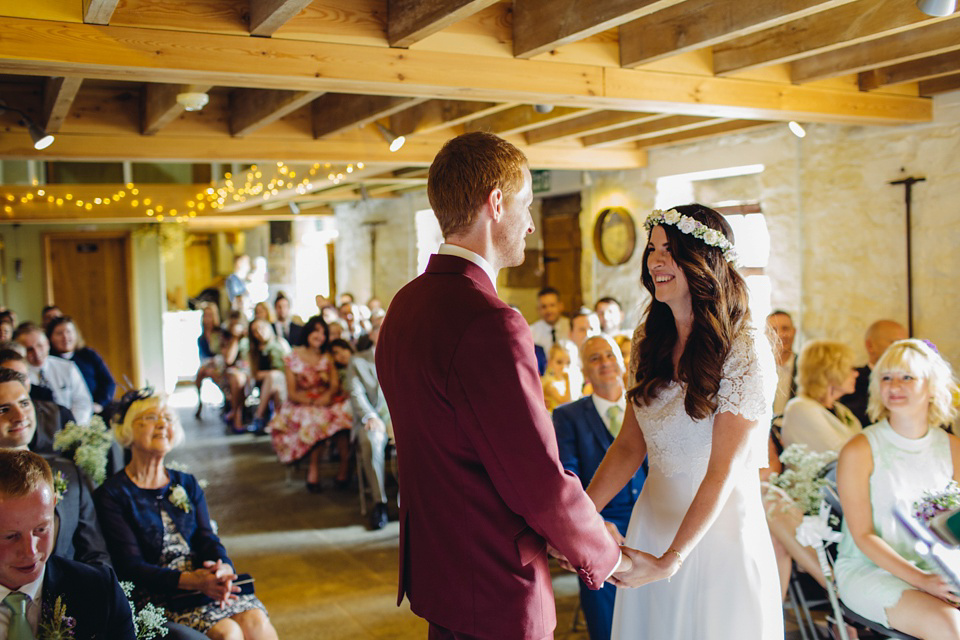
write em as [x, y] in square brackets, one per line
[612, 528]
[642, 568]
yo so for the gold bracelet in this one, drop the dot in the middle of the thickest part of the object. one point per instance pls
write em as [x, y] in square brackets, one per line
[679, 557]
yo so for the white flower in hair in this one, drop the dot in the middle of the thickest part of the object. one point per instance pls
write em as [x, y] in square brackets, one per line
[672, 216]
[711, 236]
[687, 224]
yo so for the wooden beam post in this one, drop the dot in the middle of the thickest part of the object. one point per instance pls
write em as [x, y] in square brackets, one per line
[266, 16]
[251, 109]
[58, 95]
[99, 11]
[409, 21]
[338, 112]
[160, 106]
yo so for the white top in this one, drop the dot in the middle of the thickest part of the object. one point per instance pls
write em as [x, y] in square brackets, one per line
[447, 249]
[543, 332]
[603, 405]
[68, 386]
[806, 421]
[35, 591]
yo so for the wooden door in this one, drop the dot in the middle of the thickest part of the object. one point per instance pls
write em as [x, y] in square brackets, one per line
[560, 219]
[89, 276]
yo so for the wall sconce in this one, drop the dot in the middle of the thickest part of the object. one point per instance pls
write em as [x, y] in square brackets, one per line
[937, 8]
[392, 139]
[41, 139]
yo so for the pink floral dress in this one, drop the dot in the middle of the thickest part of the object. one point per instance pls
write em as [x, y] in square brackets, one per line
[298, 427]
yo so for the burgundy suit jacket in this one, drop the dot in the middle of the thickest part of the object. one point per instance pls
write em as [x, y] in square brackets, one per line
[480, 476]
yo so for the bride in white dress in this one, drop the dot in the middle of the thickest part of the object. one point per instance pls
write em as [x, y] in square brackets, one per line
[703, 389]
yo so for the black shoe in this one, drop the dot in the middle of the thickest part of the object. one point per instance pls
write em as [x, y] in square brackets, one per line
[378, 516]
[341, 485]
[314, 487]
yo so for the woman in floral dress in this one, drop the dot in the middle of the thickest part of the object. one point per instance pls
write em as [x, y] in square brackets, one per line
[157, 528]
[315, 411]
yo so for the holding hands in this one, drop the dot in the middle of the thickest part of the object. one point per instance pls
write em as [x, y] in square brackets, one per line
[639, 568]
[215, 580]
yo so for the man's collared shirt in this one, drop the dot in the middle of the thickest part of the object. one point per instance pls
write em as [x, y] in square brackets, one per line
[447, 249]
[65, 381]
[603, 405]
[35, 591]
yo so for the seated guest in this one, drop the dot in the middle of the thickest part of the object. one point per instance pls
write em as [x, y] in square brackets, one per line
[583, 324]
[32, 578]
[266, 367]
[78, 535]
[551, 326]
[62, 377]
[585, 430]
[781, 333]
[562, 382]
[370, 422]
[286, 325]
[48, 313]
[880, 335]
[67, 343]
[261, 311]
[610, 314]
[880, 573]
[815, 417]
[6, 326]
[209, 346]
[158, 530]
[51, 417]
[314, 411]
[354, 326]
[341, 351]
[234, 350]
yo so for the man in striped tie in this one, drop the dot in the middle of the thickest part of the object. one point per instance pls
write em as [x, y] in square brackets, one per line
[585, 430]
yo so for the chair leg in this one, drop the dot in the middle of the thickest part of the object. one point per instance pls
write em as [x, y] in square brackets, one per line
[804, 620]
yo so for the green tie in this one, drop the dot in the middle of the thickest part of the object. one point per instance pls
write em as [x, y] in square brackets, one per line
[19, 627]
[616, 420]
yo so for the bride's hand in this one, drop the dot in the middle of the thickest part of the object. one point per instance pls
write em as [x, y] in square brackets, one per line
[644, 568]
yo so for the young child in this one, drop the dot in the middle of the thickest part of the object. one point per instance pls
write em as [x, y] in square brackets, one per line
[560, 380]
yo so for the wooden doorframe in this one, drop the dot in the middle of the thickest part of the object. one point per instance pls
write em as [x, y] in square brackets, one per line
[132, 313]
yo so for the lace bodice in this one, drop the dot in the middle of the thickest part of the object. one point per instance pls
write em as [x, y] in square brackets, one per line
[678, 443]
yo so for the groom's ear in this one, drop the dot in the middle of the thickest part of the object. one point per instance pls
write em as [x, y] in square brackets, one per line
[493, 206]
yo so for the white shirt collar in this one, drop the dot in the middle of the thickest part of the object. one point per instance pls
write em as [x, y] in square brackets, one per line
[447, 249]
[603, 405]
[35, 591]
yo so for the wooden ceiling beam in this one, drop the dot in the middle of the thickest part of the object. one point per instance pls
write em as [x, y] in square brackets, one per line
[696, 24]
[922, 42]
[663, 126]
[700, 133]
[598, 122]
[160, 106]
[58, 95]
[99, 11]
[846, 25]
[542, 25]
[409, 21]
[32, 47]
[266, 16]
[338, 112]
[913, 71]
[940, 85]
[251, 109]
[523, 118]
[434, 115]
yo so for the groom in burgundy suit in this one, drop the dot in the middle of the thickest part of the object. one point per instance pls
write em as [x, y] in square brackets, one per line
[481, 482]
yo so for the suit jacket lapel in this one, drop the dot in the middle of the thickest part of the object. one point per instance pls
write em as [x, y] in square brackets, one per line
[603, 435]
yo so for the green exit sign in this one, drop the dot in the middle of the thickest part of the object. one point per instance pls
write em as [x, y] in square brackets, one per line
[541, 180]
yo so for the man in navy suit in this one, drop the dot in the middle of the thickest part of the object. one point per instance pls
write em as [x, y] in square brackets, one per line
[32, 579]
[585, 430]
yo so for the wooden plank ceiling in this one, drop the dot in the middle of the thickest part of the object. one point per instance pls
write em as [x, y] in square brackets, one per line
[307, 84]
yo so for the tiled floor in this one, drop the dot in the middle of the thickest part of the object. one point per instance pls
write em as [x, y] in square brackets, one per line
[320, 573]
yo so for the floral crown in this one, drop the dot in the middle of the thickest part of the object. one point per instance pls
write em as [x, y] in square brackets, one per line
[686, 224]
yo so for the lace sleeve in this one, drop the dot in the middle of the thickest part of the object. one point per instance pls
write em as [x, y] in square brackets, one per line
[749, 379]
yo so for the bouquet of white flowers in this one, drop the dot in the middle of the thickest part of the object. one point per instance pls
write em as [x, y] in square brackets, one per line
[802, 479]
[87, 445]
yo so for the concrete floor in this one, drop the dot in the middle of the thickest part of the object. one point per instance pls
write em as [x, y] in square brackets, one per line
[319, 572]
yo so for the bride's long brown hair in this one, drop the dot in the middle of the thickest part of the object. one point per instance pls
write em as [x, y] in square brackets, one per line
[718, 296]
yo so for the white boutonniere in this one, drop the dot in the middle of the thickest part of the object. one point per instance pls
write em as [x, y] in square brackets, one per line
[59, 485]
[179, 498]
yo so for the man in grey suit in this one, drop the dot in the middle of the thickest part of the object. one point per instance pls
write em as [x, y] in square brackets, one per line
[371, 421]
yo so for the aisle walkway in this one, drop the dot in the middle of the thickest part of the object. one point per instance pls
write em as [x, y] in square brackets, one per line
[320, 573]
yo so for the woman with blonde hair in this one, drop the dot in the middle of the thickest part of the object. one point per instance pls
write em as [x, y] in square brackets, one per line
[893, 463]
[157, 528]
[825, 372]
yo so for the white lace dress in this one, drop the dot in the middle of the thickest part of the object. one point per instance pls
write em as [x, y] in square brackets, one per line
[728, 585]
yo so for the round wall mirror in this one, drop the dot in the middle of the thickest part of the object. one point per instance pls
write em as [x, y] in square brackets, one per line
[614, 236]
